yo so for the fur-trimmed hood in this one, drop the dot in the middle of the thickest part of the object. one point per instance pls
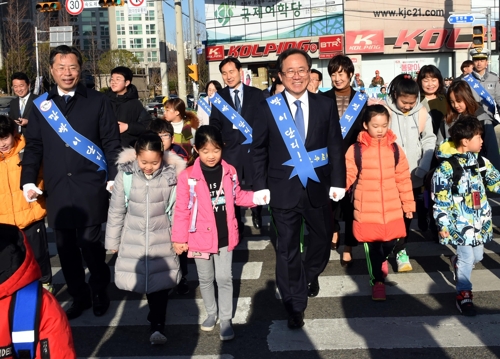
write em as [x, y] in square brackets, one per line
[127, 157]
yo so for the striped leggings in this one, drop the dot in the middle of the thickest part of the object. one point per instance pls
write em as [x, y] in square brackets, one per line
[376, 254]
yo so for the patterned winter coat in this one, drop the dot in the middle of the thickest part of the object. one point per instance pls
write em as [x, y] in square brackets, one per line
[454, 212]
[383, 191]
[140, 233]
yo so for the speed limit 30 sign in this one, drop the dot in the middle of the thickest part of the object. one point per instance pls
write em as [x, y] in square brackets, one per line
[74, 7]
[136, 2]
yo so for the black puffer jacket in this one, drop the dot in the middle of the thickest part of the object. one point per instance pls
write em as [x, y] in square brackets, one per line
[129, 109]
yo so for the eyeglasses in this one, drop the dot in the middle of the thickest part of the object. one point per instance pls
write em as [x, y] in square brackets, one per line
[291, 73]
[166, 135]
[115, 81]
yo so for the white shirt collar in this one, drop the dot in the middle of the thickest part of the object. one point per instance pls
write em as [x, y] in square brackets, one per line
[71, 93]
[25, 97]
[304, 99]
[239, 88]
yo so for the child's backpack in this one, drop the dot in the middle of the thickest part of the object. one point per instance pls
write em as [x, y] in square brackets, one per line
[458, 172]
[25, 320]
[127, 185]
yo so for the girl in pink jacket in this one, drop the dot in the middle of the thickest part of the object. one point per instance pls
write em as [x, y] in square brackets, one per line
[205, 224]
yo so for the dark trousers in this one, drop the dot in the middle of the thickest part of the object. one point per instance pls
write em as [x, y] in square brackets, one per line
[183, 261]
[157, 302]
[376, 254]
[421, 211]
[74, 243]
[345, 209]
[293, 274]
[36, 234]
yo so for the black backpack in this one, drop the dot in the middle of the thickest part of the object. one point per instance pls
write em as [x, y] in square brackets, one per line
[458, 172]
[357, 155]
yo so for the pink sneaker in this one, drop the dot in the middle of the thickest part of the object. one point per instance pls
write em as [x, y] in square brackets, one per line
[378, 291]
[385, 269]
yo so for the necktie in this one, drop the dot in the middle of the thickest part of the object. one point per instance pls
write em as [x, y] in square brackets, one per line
[66, 98]
[299, 121]
[237, 103]
[21, 109]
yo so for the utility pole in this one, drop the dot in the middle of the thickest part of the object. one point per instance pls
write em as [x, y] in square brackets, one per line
[181, 63]
[194, 57]
[163, 57]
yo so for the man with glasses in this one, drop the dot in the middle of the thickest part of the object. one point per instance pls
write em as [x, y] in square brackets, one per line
[132, 117]
[288, 143]
[73, 130]
[20, 107]
[244, 100]
[315, 80]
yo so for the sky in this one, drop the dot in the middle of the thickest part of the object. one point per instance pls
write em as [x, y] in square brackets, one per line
[169, 15]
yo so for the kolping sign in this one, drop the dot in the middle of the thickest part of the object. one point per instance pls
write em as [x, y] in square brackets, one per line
[364, 42]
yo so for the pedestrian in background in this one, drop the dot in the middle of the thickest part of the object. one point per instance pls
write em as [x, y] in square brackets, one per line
[184, 123]
[211, 88]
[20, 107]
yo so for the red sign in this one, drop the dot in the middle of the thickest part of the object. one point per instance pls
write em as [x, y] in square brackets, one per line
[430, 39]
[364, 42]
[215, 53]
[329, 46]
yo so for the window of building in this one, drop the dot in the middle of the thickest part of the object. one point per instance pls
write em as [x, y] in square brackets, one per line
[150, 15]
[139, 56]
[150, 29]
[150, 43]
[134, 17]
[153, 56]
[120, 15]
[120, 29]
[105, 44]
[151, 3]
[88, 16]
[136, 44]
[87, 44]
[105, 30]
[135, 29]
[89, 30]
[103, 15]
[122, 43]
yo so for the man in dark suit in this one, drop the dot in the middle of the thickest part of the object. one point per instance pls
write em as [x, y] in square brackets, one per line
[20, 107]
[290, 200]
[246, 101]
[77, 199]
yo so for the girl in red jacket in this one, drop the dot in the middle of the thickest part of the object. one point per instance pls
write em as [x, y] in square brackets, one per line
[382, 193]
[205, 224]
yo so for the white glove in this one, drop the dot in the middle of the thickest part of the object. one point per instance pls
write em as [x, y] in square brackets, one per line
[109, 186]
[262, 197]
[336, 194]
[30, 187]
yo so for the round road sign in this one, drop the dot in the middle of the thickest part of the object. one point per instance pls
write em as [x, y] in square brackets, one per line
[136, 2]
[74, 7]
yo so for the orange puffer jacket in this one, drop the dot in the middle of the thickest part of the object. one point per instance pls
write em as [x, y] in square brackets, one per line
[14, 209]
[383, 191]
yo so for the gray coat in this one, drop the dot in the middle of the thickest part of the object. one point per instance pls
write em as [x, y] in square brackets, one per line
[140, 233]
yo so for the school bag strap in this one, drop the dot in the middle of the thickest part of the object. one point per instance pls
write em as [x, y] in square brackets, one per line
[358, 155]
[127, 185]
[24, 315]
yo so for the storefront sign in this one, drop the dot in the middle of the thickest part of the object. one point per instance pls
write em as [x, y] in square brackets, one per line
[215, 53]
[364, 42]
[329, 46]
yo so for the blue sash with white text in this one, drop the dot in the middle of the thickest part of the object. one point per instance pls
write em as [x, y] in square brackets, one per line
[481, 91]
[82, 145]
[205, 106]
[352, 112]
[233, 116]
[303, 162]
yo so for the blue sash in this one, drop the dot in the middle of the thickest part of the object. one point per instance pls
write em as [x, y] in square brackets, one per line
[303, 162]
[233, 116]
[204, 105]
[351, 114]
[481, 91]
[24, 319]
[76, 141]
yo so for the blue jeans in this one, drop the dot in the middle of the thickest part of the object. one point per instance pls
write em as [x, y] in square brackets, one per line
[468, 256]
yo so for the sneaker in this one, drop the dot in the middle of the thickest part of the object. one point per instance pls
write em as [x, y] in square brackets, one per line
[378, 291]
[385, 269]
[48, 287]
[453, 261]
[209, 323]
[183, 287]
[226, 330]
[157, 338]
[464, 303]
[403, 261]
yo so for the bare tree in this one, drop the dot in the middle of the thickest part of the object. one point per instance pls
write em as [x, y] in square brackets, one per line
[18, 35]
[155, 80]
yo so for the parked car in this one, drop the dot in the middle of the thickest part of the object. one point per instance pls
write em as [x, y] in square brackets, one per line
[190, 101]
[155, 106]
[5, 104]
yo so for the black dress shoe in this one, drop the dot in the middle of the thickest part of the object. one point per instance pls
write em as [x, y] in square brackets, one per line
[100, 303]
[296, 320]
[77, 309]
[256, 221]
[313, 288]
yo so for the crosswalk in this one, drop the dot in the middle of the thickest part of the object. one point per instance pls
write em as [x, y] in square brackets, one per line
[342, 321]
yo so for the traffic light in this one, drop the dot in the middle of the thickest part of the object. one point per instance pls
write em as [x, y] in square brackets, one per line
[48, 6]
[194, 75]
[478, 36]
[108, 3]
